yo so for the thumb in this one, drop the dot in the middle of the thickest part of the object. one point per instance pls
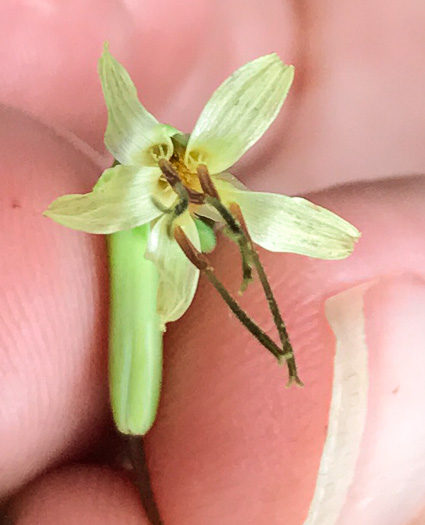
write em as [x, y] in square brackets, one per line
[232, 445]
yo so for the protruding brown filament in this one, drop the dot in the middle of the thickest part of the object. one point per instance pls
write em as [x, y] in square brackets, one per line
[274, 308]
[207, 184]
[202, 263]
[236, 211]
[186, 195]
[171, 175]
[236, 223]
[212, 197]
[238, 231]
[196, 257]
[195, 197]
[173, 178]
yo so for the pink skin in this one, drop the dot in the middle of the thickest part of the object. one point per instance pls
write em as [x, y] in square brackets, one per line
[231, 445]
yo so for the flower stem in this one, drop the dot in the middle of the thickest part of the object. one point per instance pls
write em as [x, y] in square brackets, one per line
[138, 460]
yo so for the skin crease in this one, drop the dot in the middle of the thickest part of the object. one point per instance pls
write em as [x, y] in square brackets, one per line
[231, 444]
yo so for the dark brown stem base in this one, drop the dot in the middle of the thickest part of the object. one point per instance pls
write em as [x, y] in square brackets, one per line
[136, 451]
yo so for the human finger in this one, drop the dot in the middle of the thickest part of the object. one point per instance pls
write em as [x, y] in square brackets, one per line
[232, 441]
[79, 495]
[53, 321]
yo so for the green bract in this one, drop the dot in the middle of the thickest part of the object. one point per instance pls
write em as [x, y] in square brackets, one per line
[206, 236]
[135, 192]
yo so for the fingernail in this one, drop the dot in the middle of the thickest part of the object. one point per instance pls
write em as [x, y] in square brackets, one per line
[385, 318]
[389, 485]
[348, 408]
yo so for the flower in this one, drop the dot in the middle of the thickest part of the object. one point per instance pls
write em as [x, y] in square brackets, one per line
[135, 192]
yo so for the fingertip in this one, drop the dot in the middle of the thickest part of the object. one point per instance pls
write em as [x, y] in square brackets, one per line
[53, 321]
[79, 495]
[395, 426]
[230, 439]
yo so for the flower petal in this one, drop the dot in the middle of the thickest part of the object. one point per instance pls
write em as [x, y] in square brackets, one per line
[239, 112]
[178, 277]
[132, 132]
[121, 200]
[290, 224]
[208, 211]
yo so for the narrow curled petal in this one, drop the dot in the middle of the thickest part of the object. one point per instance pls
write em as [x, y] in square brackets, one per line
[290, 224]
[132, 131]
[239, 112]
[121, 200]
[178, 277]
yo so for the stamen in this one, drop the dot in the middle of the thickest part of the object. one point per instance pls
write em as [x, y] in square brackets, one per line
[175, 182]
[170, 174]
[248, 253]
[235, 232]
[202, 263]
[274, 309]
[173, 178]
[196, 257]
[195, 197]
[213, 198]
[158, 152]
[207, 184]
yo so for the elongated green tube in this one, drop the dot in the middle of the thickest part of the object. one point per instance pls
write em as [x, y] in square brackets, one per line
[135, 339]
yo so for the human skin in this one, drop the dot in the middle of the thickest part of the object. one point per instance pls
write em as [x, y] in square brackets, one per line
[231, 444]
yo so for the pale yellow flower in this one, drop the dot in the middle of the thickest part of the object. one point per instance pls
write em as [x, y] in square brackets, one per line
[234, 118]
